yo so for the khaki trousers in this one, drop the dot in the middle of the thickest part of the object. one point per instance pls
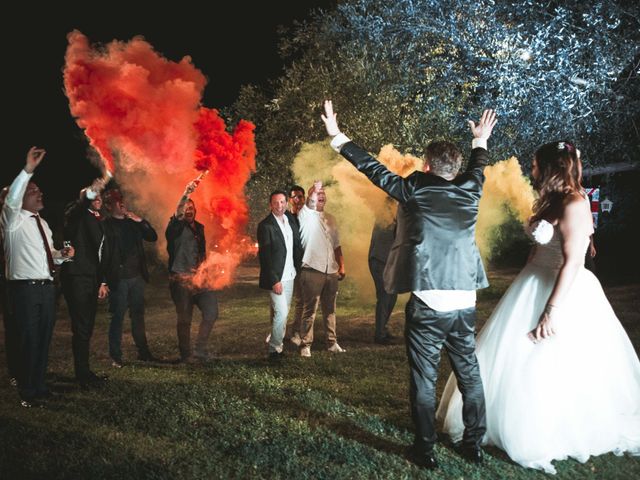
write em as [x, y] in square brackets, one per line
[318, 289]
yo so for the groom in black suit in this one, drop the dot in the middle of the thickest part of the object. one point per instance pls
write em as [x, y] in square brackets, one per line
[434, 256]
[280, 253]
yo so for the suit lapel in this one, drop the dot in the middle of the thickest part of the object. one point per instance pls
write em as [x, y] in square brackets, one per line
[276, 227]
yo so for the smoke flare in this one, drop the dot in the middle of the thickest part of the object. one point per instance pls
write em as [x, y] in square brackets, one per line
[142, 113]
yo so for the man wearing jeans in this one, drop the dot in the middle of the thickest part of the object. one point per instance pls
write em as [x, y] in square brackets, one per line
[280, 256]
[128, 274]
[187, 250]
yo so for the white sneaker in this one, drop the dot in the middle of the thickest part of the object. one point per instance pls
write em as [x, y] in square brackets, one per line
[335, 348]
[305, 351]
[296, 340]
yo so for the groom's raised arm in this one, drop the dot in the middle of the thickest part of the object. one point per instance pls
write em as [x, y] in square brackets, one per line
[479, 154]
[394, 185]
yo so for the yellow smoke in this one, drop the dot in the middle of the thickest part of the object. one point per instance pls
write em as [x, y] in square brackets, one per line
[355, 202]
[505, 188]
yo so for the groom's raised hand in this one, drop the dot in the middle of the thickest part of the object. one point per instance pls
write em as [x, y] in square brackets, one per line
[485, 125]
[329, 119]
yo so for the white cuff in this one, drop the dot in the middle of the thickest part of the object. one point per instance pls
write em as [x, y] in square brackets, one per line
[90, 194]
[479, 143]
[338, 141]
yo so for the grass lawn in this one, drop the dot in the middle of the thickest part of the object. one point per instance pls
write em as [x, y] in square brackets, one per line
[330, 416]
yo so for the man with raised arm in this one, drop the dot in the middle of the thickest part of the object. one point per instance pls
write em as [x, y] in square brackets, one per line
[187, 250]
[434, 256]
[322, 269]
[30, 262]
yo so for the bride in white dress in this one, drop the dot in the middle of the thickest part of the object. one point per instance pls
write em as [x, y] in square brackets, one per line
[561, 377]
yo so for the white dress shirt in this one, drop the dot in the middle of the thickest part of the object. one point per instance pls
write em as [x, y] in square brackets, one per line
[319, 236]
[24, 249]
[440, 300]
[289, 272]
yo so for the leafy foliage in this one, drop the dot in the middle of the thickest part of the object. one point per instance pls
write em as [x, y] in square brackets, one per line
[411, 71]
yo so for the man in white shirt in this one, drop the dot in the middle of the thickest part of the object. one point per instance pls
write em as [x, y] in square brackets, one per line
[434, 256]
[322, 268]
[280, 253]
[30, 258]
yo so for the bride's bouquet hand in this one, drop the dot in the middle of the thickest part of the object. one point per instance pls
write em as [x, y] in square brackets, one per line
[546, 326]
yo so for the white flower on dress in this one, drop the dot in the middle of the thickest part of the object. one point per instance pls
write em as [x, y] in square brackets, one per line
[542, 233]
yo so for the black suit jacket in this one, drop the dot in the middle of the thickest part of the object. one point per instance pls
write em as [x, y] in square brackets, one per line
[273, 251]
[144, 232]
[434, 247]
[85, 231]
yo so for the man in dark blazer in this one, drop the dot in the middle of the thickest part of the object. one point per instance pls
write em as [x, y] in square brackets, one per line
[83, 279]
[280, 253]
[434, 256]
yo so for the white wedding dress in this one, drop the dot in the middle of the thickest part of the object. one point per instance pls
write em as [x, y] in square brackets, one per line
[575, 394]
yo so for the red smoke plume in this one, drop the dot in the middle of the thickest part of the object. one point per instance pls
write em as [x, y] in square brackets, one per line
[131, 100]
[143, 115]
[230, 159]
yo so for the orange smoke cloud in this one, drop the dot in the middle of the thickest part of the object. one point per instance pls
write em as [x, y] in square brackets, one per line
[231, 159]
[129, 98]
[142, 114]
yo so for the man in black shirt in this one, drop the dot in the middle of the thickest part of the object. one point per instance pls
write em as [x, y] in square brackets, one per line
[127, 275]
[186, 246]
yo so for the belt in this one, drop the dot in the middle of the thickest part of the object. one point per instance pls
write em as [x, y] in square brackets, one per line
[32, 282]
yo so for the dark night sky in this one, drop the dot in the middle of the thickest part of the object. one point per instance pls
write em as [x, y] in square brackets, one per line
[236, 45]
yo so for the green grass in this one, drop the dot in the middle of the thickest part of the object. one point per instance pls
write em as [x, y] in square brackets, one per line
[330, 416]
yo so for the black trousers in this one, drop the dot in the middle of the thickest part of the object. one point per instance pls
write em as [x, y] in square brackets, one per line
[11, 337]
[81, 295]
[33, 304]
[426, 331]
[384, 301]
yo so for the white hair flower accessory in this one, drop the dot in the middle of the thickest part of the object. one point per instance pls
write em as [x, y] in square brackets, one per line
[542, 233]
[561, 146]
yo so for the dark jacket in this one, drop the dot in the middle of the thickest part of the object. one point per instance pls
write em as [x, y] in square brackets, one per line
[381, 241]
[273, 251]
[144, 232]
[85, 231]
[174, 230]
[434, 247]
